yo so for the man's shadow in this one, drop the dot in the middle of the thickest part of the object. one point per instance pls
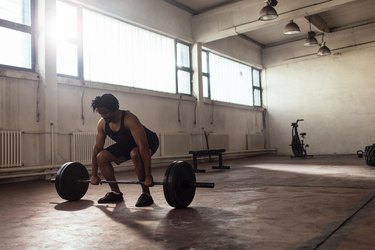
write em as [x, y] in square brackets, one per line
[176, 228]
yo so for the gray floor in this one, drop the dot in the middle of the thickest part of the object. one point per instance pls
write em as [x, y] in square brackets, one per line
[260, 203]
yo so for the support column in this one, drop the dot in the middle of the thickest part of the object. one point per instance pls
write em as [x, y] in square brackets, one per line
[198, 89]
[46, 67]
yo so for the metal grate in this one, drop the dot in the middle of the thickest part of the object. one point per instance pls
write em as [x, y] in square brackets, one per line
[82, 144]
[10, 149]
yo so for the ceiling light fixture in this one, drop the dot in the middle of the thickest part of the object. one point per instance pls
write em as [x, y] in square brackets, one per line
[291, 28]
[323, 50]
[310, 40]
[268, 13]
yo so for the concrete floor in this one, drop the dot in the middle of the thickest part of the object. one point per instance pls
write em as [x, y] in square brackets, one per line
[264, 202]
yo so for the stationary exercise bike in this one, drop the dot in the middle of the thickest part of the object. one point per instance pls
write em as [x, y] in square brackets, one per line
[298, 146]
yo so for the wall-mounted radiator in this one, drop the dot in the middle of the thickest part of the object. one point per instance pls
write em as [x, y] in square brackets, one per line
[216, 141]
[10, 149]
[175, 144]
[82, 144]
[255, 141]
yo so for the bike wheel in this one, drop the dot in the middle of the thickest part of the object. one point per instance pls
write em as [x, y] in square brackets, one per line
[370, 155]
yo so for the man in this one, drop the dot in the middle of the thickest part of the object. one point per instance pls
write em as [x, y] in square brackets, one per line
[133, 141]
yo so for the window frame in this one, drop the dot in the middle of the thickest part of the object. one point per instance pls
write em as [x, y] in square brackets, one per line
[257, 87]
[25, 29]
[182, 68]
[207, 74]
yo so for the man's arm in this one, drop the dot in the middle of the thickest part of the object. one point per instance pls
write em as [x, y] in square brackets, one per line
[139, 135]
[99, 144]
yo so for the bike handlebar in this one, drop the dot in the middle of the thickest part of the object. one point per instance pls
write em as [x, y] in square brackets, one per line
[295, 124]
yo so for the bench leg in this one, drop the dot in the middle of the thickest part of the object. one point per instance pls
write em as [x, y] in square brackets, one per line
[221, 163]
[195, 163]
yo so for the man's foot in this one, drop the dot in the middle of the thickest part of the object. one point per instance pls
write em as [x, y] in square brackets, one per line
[144, 200]
[111, 197]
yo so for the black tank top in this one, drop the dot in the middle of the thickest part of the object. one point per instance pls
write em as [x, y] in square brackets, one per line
[124, 136]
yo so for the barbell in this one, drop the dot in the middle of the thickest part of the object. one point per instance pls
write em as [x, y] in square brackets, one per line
[179, 183]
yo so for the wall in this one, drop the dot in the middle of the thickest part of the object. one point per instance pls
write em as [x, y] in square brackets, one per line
[334, 95]
[239, 49]
[49, 108]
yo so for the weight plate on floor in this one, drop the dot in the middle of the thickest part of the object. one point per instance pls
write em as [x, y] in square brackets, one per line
[166, 184]
[178, 184]
[67, 185]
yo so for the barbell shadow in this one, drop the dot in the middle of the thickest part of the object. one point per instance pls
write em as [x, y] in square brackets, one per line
[74, 205]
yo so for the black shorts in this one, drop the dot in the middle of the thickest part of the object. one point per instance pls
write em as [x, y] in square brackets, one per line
[123, 151]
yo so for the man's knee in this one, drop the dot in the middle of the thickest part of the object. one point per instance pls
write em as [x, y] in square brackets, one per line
[134, 154]
[103, 157]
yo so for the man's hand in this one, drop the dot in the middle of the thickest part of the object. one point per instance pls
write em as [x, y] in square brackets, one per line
[149, 181]
[95, 180]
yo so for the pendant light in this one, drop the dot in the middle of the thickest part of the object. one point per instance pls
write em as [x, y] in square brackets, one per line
[291, 28]
[268, 13]
[323, 50]
[310, 40]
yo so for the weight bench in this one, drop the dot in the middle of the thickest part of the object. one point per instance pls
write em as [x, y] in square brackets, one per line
[208, 152]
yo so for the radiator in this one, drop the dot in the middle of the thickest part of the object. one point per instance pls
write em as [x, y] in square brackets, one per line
[175, 144]
[255, 141]
[82, 144]
[218, 141]
[10, 149]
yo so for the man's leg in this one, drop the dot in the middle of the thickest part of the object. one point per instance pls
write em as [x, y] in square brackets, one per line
[145, 199]
[139, 168]
[104, 159]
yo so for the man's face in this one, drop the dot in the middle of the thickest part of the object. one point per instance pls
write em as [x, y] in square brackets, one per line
[106, 114]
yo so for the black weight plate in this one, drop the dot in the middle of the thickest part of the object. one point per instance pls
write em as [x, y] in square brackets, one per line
[179, 189]
[370, 155]
[166, 184]
[57, 179]
[67, 185]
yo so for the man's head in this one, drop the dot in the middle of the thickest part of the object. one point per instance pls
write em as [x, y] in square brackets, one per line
[106, 105]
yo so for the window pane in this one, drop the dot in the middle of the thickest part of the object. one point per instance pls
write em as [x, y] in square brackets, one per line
[204, 62]
[205, 87]
[119, 53]
[183, 55]
[18, 11]
[183, 79]
[230, 81]
[67, 59]
[66, 19]
[257, 97]
[15, 48]
[256, 78]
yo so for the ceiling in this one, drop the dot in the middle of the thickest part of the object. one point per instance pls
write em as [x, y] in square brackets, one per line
[326, 16]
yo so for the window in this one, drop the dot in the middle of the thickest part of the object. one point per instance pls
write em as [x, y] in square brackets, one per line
[100, 48]
[205, 75]
[257, 88]
[119, 53]
[230, 81]
[183, 68]
[16, 33]
[67, 39]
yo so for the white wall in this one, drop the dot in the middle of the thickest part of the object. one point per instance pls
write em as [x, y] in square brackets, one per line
[31, 101]
[335, 96]
[239, 49]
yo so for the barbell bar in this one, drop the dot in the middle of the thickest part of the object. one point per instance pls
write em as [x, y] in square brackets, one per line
[197, 184]
[179, 183]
